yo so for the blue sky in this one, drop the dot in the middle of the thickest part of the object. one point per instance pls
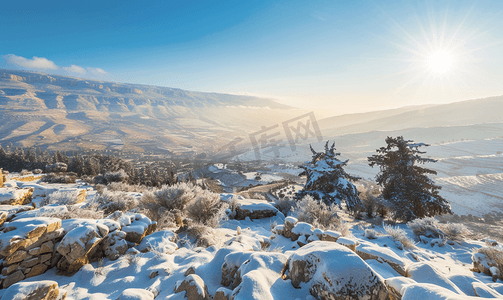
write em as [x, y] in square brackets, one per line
[342, 56]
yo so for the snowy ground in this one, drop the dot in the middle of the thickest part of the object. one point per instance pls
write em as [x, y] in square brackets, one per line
[440, 271]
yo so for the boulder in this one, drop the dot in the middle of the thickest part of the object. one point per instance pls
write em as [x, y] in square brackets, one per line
[37, 290]
[288, 226]
[395, 286]
[254, 209]
[424, 272]
[114, 245]
[194, 287]
[222, 294]
[348, 242]
[136, 294]
[79, 245]
[13, 278]
[372, 251]
[15, 196]
[332, 271]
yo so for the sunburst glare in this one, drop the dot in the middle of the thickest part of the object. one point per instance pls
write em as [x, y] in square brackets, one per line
[441, 61]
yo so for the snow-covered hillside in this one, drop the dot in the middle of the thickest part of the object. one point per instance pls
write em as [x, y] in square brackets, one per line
[259, 254]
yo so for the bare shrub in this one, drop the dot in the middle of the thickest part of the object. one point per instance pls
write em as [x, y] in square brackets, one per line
[60, 178]
[454, 231]
[204, 236]
[430, 227]
[369, 193]
[62, 197]
[177, 196]
[25, 172]
[110, 201]
[320, 215]
[398, 234]
[426, 226]
[495, 257]
[119, 176]
[371, 234]
[284, 204]
[124, 187]
[206, 208]
[89, 211]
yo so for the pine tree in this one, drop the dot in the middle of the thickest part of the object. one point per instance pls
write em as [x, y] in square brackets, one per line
[406, 186]
[328, 181]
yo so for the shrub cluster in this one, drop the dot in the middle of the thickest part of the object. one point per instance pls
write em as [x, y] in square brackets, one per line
[431, 227]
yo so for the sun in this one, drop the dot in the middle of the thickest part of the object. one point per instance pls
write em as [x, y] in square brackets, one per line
[440, 62]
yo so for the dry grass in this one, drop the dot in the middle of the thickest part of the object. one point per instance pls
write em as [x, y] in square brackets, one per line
[430, 227]
[110, 201]
[399, 235]
[495, 256]
[320, 215]
[64, 197]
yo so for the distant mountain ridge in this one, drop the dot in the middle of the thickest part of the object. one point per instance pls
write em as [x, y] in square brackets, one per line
[71, 113]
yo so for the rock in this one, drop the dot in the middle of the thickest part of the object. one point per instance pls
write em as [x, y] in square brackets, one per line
[254, 209]
[484, 291]
[395, 285]
[30, 262]
[423, 272]
[9, 269]
[37, 290]
[34, 251]
[47, 247]
[25, 232]
[137, 231]
[278, 229]
[3, 217]
[222, 294]
[15, 257]
[45, 257]
[189, 271]
[372, 251]
[288, 226]
[15, 196]
[333, 271]
[13, 278]
[194, 287]
[79, 245]
[329, 236]
[114, 246]
[136, 294]
[348, 242]
[37, 270]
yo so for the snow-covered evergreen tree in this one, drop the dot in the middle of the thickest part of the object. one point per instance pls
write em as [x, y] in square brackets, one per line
[328, 181]
[406, 186]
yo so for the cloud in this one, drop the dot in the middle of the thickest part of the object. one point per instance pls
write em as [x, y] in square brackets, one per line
[34, 63]
[75, 69]
[97, 71]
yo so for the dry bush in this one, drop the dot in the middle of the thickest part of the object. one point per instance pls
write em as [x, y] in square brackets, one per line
[369, 193]
[495, 257]
[62, 198]
[398, 234]
[60, 178]
[454, 231]
[110, 201]
[426, 226]
[430, 227]
[90, 211]
[285, 204]
[25, 172]
[204, 236]
[177, 196]
[320, 215]
[371, 234]
[207, 209]
[124, 187]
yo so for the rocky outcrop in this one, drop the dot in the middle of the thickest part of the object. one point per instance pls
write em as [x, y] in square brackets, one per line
[334, 272]
[37, 290]
[15, 196]
[254, 209]
[370, 251]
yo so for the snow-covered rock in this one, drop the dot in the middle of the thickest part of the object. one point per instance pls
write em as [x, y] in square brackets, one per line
[194, 287]
[136, 294]
[79, 244]
[396, 284]
[114, 245]
[37, 290]
[484, 291]
[254, 209]
[333, 271]
[288, 226]
[368, 250]
[15, 196]
[424, 272]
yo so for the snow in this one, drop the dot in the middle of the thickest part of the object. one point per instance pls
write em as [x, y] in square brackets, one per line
[21, 290]
[302, 228]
